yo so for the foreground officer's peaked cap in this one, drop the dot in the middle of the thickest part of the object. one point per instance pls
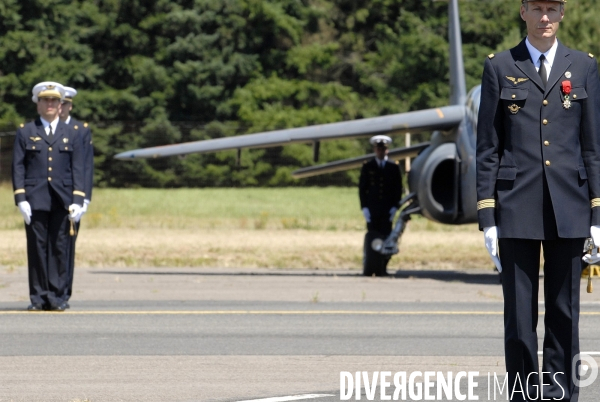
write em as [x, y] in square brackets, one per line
[70, 94]
[48, 90]
[540, 1]
[380, 140]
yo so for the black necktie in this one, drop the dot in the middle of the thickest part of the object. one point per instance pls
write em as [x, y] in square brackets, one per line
[50, 133]
[542, 70]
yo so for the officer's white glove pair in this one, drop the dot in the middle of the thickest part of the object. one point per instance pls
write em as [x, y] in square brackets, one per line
[25, 210]
[393, 213]
[593, 258]
[490, 234]
[367, 214]
[75, 211]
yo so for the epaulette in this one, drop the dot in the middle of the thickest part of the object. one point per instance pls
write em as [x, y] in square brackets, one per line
[85, 125]
[591, 55]
[491, 56]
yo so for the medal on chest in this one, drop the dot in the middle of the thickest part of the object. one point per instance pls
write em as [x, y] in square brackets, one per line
[565, 88]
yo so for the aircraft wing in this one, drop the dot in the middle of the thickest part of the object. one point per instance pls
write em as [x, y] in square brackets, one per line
[443, 118]
[346, 164]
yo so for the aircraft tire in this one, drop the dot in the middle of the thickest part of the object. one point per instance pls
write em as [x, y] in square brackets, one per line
[374, 263]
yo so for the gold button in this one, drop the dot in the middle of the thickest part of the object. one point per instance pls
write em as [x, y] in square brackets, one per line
[66, 148]
[574, 96]
[545, 102]
[50, 149]
[49, 169]
[545, 122]
[547, 163]
[49, 178]
[50, 159]
[33, 147]
[514, 96]
[546, 143]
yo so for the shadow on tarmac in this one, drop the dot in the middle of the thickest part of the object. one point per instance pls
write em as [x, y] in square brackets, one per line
[478, 277]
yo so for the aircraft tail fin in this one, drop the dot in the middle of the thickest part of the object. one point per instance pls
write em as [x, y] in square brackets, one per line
[458, 85]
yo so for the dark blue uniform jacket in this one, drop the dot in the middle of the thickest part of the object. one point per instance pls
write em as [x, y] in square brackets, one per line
[41, 166]
[538, 163]
[88, 150]
[380, 189]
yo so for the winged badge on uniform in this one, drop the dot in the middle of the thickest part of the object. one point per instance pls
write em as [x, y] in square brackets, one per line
[516, 81]
[35, 139]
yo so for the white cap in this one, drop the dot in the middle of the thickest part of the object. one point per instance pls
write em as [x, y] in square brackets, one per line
[48, 90]
[380, 140]
[70, 94]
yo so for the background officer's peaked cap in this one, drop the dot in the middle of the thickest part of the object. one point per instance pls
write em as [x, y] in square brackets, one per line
[70, 94]
[48, 90]
[380, 140]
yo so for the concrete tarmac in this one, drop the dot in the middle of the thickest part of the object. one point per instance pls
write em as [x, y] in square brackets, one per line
[231, 335]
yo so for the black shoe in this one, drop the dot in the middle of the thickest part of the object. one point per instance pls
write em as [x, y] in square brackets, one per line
[35, 307]
[67, 305]
[58, 307]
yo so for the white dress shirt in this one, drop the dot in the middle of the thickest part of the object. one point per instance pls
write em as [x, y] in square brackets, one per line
[535, 56]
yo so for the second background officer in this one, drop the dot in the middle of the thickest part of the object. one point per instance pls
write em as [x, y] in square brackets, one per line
[83, 130]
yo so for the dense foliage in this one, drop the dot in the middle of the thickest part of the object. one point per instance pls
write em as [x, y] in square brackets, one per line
[157, 72]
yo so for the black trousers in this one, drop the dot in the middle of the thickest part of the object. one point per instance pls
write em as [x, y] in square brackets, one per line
[47, 254]
[380, 225]
[71, 267]
[520, 260]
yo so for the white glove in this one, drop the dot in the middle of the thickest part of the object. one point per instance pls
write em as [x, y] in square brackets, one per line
[393, 213]
[25, 210]
[85, 206]
[593, 258]
[490, 235]
[75, 212]
[367, 214]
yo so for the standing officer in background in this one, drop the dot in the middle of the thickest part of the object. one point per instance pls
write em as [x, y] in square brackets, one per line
[379, 189]
[48, 183]
[538, 184]
[84, 131]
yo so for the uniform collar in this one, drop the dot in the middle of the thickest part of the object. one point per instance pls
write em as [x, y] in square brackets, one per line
[68, 120]
[45, 123]
[381, 160]
[535, 54]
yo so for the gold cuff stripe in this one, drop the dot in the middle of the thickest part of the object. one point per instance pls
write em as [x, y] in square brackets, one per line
[488, 203]
[81, 193]
[595, 202]
[20, 191]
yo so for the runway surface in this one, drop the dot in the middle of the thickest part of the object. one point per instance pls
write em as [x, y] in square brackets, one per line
[244, 335]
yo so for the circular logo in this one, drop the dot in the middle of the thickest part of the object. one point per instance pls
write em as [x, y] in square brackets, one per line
[587, 369]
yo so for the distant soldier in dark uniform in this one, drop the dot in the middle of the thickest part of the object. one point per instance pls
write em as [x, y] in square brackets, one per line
[88, 150]
[380, 189]
[48, 183]
[538, 184]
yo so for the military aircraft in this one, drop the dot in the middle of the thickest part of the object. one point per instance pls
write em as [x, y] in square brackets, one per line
[442, 177]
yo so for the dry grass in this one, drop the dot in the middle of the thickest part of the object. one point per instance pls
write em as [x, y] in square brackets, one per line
[252, 248]
[277, 228]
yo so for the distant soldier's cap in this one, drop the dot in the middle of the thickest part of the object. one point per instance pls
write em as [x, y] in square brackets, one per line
[380, 140]
[70, 94]
[48, 90]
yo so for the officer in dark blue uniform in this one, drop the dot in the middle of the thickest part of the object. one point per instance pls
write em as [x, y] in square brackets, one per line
[48, 183]
[538, 185]
[88, 150]
[380, 189]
